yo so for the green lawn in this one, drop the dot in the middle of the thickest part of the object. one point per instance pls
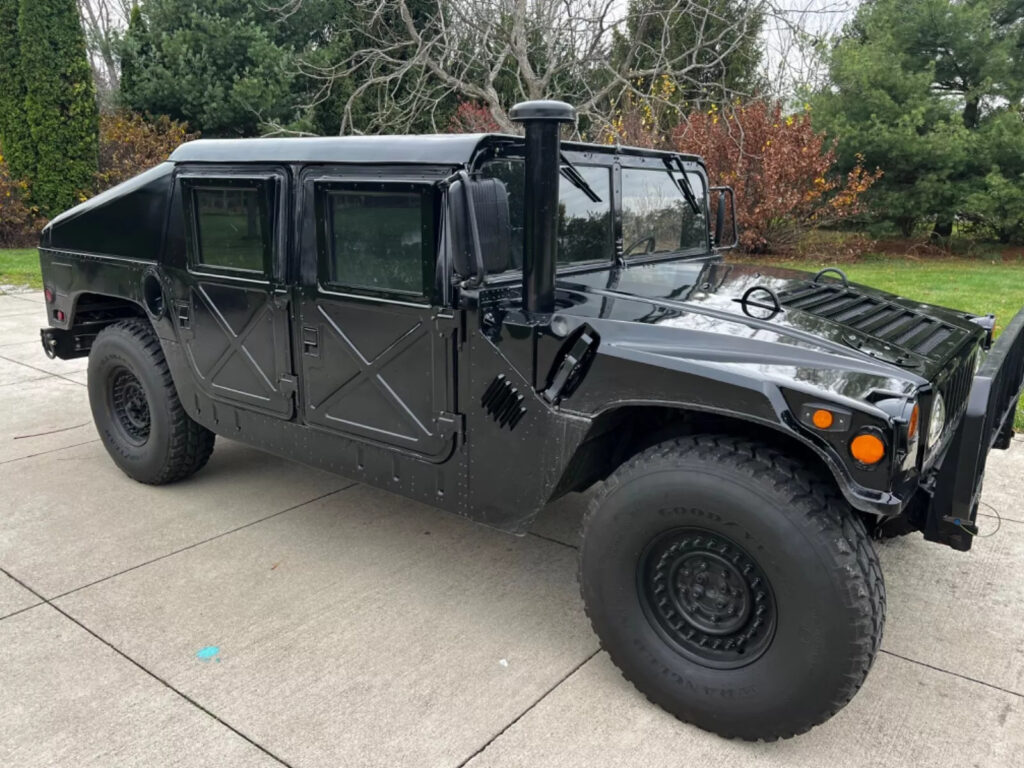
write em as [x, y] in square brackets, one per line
[20, 267]
[972, 285]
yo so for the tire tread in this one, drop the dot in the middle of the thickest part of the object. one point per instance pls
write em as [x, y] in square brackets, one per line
[853, 555]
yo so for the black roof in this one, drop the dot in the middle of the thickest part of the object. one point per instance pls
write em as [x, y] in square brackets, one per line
[436, 149]
[446, 149]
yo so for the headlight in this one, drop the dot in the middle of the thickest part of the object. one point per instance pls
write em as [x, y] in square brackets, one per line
[937, 421]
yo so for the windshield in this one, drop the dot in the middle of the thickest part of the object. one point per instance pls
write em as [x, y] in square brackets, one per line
[656, 218]
[584, 226]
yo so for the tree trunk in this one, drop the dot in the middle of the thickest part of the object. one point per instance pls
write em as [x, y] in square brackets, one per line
[943, 226]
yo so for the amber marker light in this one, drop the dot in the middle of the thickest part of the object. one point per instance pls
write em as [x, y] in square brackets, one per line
[822, 419]
[912, 426]
[867, 448]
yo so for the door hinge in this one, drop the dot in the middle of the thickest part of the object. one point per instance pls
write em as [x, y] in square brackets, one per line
[449, 423]
[288, 384]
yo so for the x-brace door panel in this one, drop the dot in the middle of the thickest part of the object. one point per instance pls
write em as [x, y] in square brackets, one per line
[378, 371]
[237, 342]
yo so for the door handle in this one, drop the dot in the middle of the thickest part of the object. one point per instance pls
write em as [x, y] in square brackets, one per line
[310, 341]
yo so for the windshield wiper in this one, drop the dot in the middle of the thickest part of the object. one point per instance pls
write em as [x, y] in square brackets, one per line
[682, 182]
[576, 179]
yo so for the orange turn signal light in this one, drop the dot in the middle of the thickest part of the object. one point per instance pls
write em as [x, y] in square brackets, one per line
[867, 448]
[912, 426]
[822, 419]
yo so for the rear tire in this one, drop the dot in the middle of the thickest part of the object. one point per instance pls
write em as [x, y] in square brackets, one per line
[733, 586]
[136, 407]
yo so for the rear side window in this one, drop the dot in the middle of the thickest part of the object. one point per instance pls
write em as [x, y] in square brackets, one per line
[232, 224]
[380, 240]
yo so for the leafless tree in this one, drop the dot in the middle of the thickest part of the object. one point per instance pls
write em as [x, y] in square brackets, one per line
[102, 21]
[795, 38]
[477, 50]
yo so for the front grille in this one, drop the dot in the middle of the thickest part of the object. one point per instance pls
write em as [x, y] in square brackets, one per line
[891, 323]
[957, 386]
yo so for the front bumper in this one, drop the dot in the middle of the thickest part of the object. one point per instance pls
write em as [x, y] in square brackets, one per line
[987, 423]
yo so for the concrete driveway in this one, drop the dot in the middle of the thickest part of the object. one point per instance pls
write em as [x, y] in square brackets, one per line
[262, 613]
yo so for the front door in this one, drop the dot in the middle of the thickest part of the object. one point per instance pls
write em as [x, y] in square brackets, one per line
[378, 355]
[233, 322]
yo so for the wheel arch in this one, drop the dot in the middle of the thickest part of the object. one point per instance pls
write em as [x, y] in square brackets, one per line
[90, 313]
[622, 431]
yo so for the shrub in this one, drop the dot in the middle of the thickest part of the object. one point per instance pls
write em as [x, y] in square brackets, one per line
[471, 117]
[780, 168]
[131, 144]
[19, 223]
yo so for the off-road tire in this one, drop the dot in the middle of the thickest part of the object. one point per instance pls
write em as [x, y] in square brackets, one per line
[739, 498]
[171, 446]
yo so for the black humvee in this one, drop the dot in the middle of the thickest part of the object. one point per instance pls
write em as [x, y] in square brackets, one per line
[486, 323]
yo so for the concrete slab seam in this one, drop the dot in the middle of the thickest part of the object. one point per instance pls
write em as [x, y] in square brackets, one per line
[152, 674]
[526, 711]
[203, 541]
[951, 672]
[52, 450]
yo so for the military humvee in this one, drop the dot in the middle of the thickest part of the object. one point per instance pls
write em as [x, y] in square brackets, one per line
[486, 323]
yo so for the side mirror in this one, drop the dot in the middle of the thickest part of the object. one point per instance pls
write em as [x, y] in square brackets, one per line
[719, 198]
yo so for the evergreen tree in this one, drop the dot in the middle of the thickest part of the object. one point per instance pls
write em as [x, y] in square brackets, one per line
[222, 66]
[15, 134]
[60, 103]
[931, 92]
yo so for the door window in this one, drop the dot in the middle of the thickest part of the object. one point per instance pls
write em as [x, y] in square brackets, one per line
[380, 241]
[232, 225]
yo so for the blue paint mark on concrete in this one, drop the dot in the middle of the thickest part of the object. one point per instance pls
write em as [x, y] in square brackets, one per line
[207, 653]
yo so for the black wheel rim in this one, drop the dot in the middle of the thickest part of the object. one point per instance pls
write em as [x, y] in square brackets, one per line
[706, 597]
[129, 405]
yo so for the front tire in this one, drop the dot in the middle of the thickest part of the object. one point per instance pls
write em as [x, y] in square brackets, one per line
[136, 407]
[733, 586]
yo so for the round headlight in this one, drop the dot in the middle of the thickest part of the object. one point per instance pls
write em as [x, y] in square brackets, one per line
[937, 420]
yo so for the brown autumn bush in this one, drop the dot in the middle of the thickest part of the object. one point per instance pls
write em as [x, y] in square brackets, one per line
[131, 144]
[781, 170]
[19, 221]
[470, 117]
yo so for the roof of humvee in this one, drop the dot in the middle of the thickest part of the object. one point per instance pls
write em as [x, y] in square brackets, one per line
[438, 149]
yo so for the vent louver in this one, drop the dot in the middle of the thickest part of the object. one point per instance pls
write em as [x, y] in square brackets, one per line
[503, 402]
[889, 322]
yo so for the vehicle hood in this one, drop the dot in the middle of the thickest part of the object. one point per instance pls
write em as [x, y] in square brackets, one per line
[777, 316]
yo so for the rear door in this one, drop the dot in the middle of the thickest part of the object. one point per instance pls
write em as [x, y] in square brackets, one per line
[233, 322]
[378, 349]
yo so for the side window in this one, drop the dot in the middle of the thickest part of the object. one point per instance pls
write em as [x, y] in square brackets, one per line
[584, 227]
[379, 240]
[232, 225]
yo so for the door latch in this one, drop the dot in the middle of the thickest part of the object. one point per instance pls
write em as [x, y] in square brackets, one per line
[310, 341]
[184, 316]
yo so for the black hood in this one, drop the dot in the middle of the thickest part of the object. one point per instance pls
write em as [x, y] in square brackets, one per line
[846, 318]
